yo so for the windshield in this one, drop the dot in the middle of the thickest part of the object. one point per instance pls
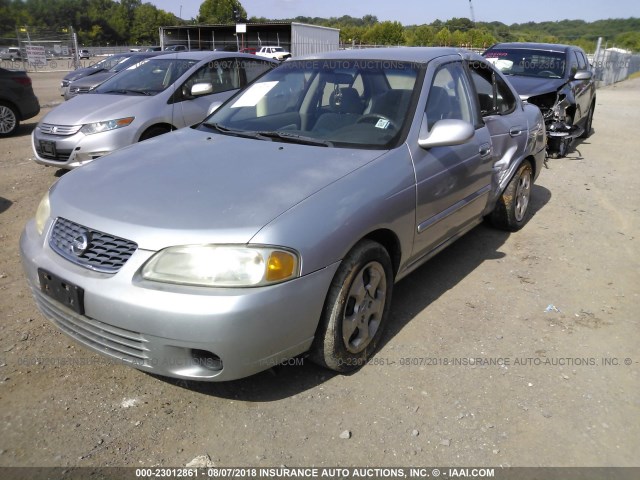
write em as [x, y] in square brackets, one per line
[528, 63]
[343, 103]
[147, 78]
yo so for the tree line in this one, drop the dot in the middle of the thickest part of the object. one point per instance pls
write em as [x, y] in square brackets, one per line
[132, 22]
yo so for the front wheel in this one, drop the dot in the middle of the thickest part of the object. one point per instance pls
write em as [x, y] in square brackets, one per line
[512, 210]
[589, 123]
[355, 310]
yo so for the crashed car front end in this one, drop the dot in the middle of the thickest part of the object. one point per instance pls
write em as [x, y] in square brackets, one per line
[557, 110]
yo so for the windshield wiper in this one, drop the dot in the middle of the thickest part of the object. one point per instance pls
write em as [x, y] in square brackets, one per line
[295, 138]
[236, 133]
[126, 91]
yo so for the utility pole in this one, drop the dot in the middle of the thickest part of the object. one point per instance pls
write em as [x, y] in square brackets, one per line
[473, 15]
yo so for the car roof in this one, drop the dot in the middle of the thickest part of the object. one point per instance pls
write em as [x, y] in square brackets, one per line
[207, 55]
[406, 54]
[550, 47]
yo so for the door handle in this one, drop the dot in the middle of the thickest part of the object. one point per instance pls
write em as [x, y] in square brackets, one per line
[515, 131]
[485, 150]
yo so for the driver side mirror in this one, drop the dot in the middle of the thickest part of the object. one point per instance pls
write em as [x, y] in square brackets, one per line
[445, 133]
[583, 75]
[200, 89]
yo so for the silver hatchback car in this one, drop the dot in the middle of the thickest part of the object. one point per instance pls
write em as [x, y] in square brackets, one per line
[280, 224]
[148, 99]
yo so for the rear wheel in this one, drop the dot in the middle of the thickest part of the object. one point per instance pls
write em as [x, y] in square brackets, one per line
[512, 210]
[356, 309]
[9, 121]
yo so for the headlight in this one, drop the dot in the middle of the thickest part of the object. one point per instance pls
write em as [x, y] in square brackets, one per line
[91, 128]
[222, 266]
[42, 213]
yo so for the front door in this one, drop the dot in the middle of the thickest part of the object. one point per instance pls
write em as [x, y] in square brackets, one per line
[453, 182]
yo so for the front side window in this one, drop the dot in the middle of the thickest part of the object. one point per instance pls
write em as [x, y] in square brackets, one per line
[449, 96]
[254, 68]
[221, 74]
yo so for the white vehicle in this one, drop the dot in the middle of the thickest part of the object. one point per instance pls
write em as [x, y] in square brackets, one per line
[277, 53]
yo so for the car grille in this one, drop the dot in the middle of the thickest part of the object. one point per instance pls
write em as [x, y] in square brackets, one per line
[126, 345]
[60, 156]
[101, 252]
[77, 90]
[61, 130]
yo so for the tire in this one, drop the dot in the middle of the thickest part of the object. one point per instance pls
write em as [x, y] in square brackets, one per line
[356, 309]
[9, 121]
[512, 210]
[588, 124]
[154, 132]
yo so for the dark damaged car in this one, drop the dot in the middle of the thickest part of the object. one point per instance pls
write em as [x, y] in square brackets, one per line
[557, 79]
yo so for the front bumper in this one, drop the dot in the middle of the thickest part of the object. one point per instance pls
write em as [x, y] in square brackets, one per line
[75, 150]
[182, 332]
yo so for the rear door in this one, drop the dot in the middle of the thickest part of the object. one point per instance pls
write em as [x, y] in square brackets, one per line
[453, 182]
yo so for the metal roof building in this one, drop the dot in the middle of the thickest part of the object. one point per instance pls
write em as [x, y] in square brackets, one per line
[297, 38]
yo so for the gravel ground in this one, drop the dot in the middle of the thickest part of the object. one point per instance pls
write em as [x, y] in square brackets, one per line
[553, 307]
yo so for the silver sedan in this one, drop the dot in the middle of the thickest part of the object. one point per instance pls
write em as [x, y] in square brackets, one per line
[279, 225]
[145, 100]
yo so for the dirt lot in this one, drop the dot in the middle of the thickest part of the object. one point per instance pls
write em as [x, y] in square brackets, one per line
[552, 304]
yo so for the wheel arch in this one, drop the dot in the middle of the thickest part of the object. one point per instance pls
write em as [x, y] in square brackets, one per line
[13, 106]
[391, 243]
[164, 125]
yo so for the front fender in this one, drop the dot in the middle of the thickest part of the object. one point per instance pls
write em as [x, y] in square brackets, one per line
[378, 196]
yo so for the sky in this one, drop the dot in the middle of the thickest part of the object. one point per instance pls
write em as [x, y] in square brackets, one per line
[412, 12]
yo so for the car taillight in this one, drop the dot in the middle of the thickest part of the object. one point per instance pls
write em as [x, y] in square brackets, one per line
[26, 81]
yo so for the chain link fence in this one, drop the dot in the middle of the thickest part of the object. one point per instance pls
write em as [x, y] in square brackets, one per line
[37, 49]
[613, 65]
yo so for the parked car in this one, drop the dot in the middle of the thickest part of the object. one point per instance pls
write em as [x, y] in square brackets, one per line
[84, 54]
[86, 84]
[250, 50]
[176, 48]
[12, 54]
[17, 100]
[155, 48]
[162, 94]
[556, 78]
[101, 66]
[279, 225]
[277, 53]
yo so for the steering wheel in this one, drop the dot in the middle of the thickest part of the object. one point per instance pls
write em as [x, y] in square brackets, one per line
[375, 118]
[547, 73]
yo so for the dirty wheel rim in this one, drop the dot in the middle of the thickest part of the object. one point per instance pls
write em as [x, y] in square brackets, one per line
[364, 307]
[523, 194]
[7, 119]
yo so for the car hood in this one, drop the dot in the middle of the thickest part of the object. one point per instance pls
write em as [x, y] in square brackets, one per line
[91, 80]
[532, 86]
[194, 187]
[81, 73]
[93, 107]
